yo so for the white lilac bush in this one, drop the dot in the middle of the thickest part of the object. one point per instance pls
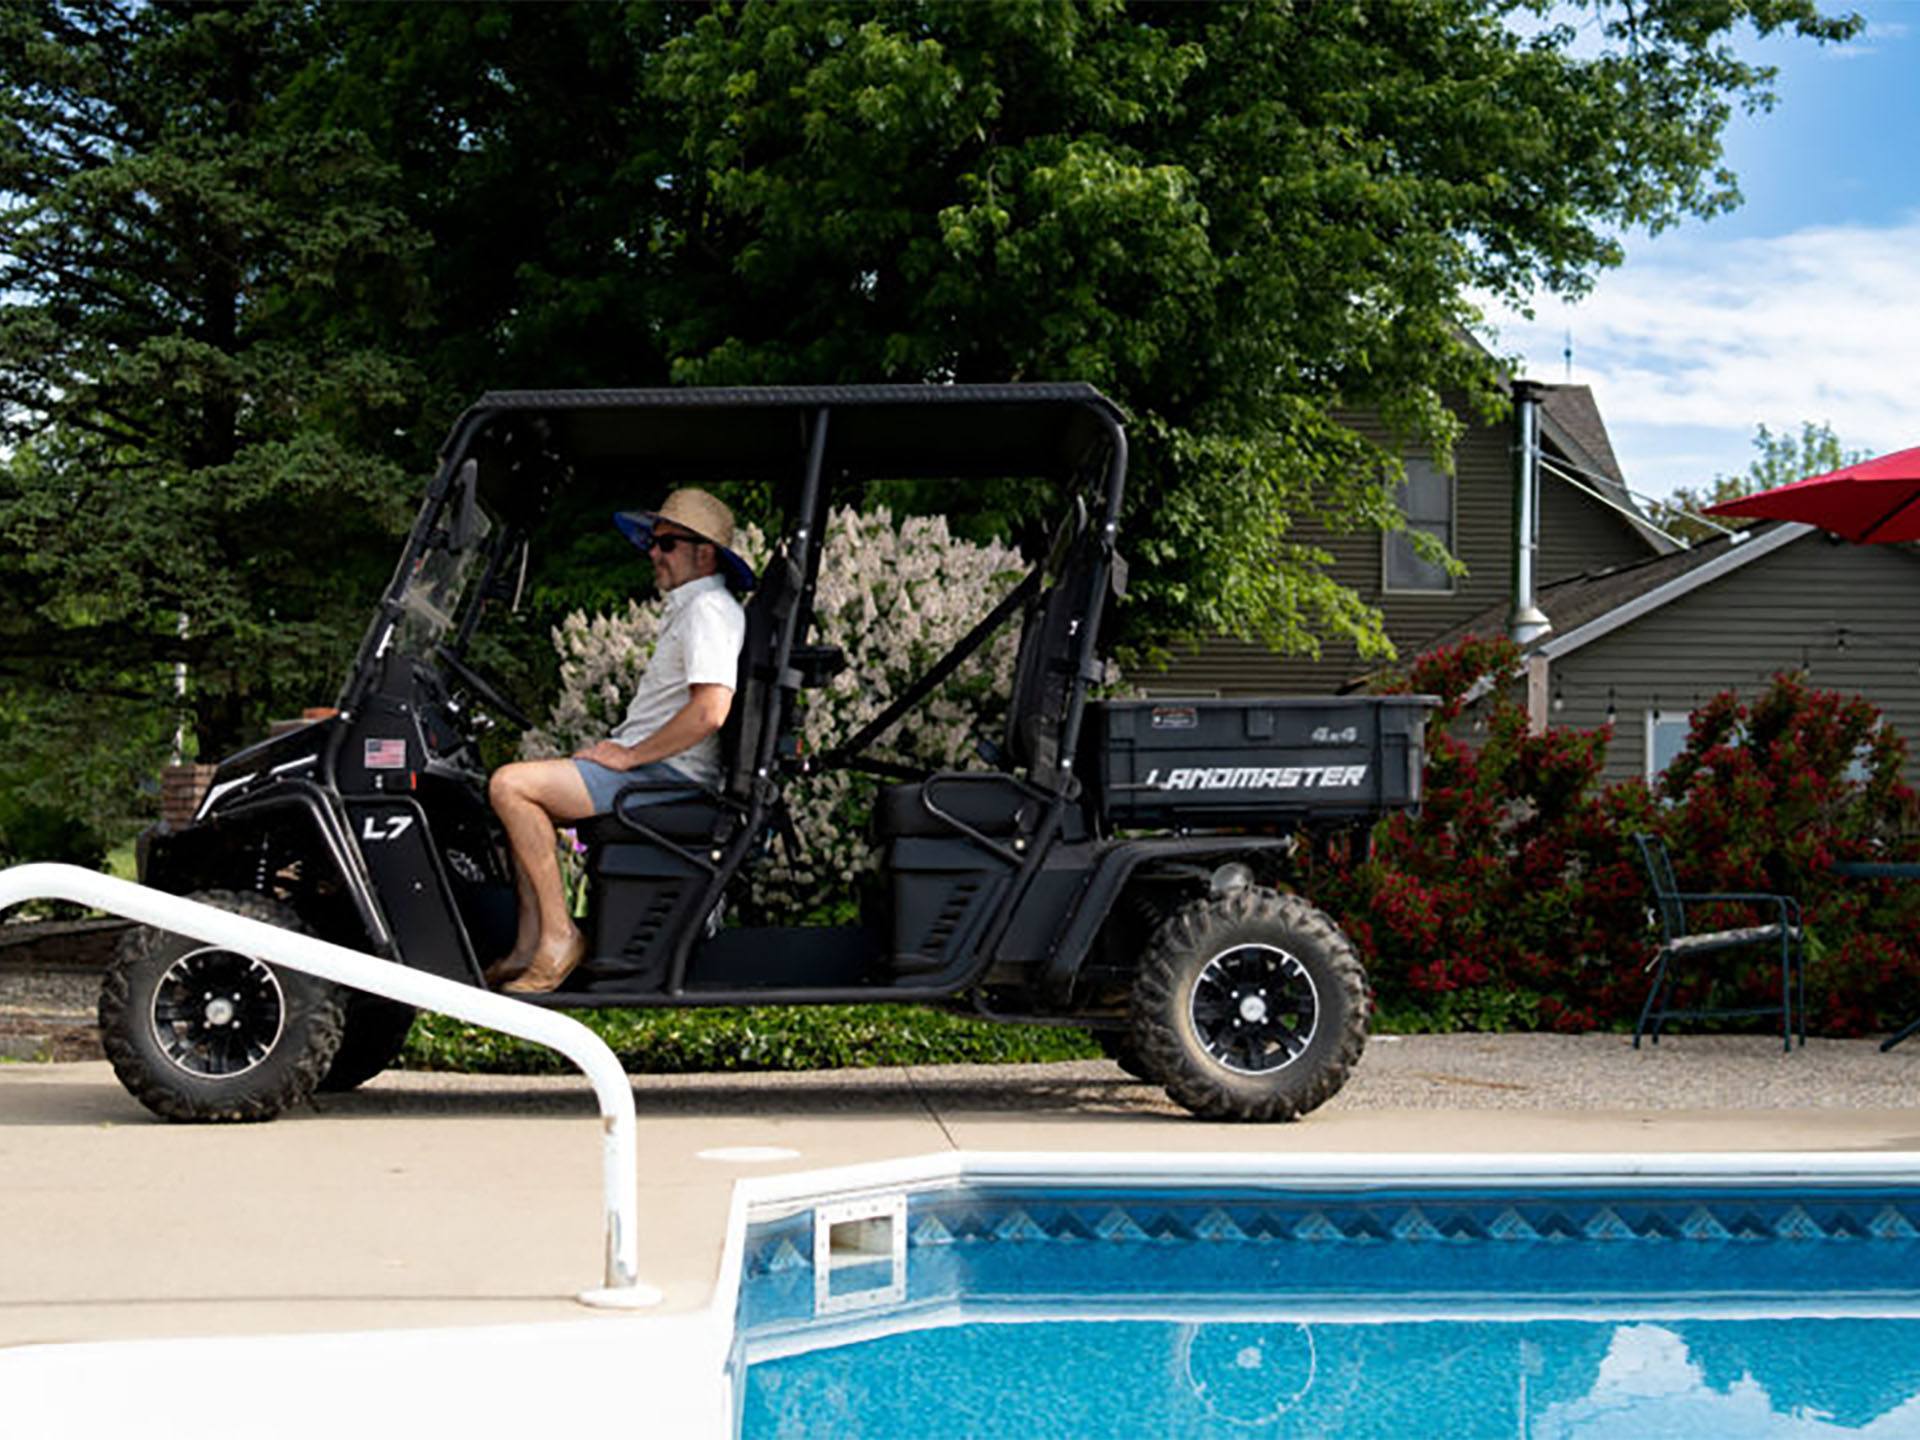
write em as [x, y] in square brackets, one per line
[894, 596]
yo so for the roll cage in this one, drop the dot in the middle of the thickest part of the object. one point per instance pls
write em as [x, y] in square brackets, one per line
[514, 454]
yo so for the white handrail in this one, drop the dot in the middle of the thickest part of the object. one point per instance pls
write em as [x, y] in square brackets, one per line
[396, 982]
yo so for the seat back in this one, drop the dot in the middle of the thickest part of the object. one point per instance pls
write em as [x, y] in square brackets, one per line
[1668, 908]
[1044, 667]
[759, 702]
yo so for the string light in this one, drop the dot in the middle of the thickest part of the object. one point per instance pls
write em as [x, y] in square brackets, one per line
[1830, 639]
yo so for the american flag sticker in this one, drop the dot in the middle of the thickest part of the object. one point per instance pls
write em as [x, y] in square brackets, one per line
[386, 755]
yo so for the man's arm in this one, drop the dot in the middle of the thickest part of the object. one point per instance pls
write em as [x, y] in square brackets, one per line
[704, 713]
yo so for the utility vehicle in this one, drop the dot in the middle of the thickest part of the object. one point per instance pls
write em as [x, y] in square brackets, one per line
[1128, 866]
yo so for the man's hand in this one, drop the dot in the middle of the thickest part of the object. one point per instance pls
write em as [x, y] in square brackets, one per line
[703, 714]
[610, 753]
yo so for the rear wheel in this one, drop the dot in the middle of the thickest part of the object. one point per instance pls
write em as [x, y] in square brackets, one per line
[199, 1032]
[1250, 1006]
[1119, 1047]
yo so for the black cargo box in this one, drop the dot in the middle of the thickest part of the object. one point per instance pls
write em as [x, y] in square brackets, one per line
[1255, 763]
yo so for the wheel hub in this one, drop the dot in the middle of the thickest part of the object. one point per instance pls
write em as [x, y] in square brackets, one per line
[217, 1014]
[1254, 1008]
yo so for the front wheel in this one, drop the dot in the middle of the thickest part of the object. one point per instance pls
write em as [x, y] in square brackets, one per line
[1250, 1006]
[375, 1033]
[199, 1032]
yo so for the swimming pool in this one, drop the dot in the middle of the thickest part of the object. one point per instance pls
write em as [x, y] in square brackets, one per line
[1728, 1296]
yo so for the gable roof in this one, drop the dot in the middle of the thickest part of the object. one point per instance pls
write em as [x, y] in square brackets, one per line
[1573, 411]
[1570, 424]
[1582, 608]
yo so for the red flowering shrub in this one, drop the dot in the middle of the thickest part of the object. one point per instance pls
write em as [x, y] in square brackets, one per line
[1516, 897]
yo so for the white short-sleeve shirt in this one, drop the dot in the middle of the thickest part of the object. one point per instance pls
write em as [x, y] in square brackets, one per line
[699, 644]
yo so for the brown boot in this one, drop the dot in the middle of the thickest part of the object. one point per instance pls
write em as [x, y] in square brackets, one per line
[549, 968]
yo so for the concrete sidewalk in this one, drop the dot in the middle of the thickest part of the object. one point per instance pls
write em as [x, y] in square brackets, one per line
[433, 1200]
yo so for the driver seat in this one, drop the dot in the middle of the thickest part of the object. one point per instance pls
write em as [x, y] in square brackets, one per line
[649, 865]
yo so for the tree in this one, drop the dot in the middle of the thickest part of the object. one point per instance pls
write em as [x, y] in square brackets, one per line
[197, 426]
[1241, 220]
[1781, 460]
[1244, 221]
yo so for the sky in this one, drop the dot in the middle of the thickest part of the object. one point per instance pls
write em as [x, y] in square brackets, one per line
[1801, 305]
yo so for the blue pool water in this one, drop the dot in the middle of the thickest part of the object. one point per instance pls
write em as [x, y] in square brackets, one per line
[1589, 1312]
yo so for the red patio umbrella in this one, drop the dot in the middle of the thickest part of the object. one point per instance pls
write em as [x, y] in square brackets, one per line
[1876, 502]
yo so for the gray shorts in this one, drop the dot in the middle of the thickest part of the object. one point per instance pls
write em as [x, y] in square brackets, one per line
[603, 783]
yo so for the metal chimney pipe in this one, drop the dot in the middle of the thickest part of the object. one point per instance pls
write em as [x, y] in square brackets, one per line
[1527, 623]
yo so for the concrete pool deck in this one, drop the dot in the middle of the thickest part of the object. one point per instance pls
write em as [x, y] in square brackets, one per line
[429, 1200]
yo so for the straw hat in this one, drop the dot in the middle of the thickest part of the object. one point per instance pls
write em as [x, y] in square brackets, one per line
[691, 509]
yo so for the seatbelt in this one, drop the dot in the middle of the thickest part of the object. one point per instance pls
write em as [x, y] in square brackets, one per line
[941, 669]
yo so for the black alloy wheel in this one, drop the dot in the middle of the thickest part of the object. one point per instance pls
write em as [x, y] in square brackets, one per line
[216, 1014]
[199, 1032]
[1254, 1008]
[1250, 1006]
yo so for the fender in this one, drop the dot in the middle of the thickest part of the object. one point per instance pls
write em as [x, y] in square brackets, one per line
[1110, 877]
[219, 851]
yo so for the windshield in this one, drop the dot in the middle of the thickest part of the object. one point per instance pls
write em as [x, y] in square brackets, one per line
[439, 580]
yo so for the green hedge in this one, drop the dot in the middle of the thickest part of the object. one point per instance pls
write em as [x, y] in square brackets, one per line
[667, 1042]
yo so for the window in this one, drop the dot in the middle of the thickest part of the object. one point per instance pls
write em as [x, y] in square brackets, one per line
[1666, 738]
[1426, 499]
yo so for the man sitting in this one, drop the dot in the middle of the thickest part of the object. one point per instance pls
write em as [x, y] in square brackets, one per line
[670, 734]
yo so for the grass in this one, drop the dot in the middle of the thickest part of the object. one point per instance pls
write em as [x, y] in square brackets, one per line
[823, 1037]
[120, 862]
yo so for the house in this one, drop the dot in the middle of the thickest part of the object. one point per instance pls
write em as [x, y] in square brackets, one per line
[1643, 644]
[1588, 523]
[1639, 630]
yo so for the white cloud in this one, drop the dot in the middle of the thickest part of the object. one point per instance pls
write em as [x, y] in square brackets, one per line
[1695, 341]
[1870, 42]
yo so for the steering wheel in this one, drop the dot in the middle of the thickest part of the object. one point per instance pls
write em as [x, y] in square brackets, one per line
[482, 687]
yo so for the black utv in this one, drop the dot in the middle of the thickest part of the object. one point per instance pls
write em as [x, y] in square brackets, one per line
[1123, 865]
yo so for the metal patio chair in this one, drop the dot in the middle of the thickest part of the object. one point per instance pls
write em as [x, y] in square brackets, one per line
[1678, 941]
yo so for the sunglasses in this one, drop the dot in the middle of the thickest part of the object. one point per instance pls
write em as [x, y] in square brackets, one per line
[667, 544]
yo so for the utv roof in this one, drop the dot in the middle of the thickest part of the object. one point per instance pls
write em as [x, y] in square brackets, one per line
[873, 431]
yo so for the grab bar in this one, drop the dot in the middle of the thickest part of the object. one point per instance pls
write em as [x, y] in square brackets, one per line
[622, 1288]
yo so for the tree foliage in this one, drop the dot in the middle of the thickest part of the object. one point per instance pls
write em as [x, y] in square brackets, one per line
[1781, 459]
[253, 258]
[1239, 220]
[195, 427]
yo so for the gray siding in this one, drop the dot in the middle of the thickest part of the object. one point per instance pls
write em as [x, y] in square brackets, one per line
[1781, 612]
[1577, 534]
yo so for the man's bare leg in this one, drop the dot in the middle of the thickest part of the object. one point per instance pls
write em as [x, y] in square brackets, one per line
[527, 934]
[531, 799]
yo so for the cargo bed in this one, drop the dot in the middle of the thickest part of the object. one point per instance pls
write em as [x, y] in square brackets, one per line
[1258, 763]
